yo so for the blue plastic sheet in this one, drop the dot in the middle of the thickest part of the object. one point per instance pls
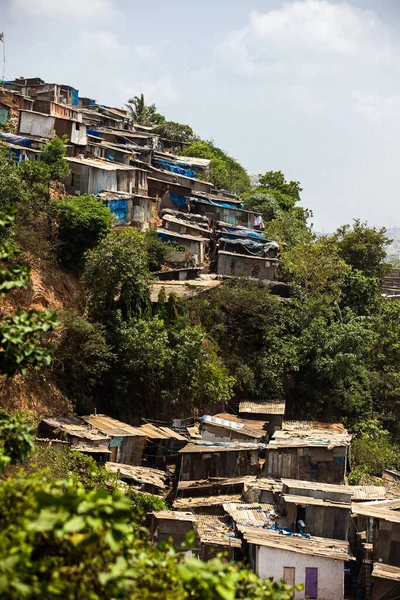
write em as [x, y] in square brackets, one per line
[16, 139]
[168, 165]
[93, 132]
[231, 233]
[214, 203]
[120, 209]
[178, 199]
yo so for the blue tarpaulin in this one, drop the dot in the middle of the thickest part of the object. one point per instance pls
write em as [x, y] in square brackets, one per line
[178, 199]
[213, 203]
[168, 165]
[120, 209]
[231, 233]
[93, 132]
[16, 139]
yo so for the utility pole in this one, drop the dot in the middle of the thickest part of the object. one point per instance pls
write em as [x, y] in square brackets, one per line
[4, 59]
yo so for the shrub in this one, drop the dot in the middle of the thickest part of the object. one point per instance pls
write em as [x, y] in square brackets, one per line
[83, 222]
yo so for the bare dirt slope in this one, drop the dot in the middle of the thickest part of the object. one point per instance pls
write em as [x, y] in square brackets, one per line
[50, 288]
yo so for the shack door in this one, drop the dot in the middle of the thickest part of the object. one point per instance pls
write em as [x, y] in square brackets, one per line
[311, 582]
[289, 575]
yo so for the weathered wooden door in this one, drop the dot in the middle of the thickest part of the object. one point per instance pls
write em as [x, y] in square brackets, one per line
[311, 582]
[289, 576]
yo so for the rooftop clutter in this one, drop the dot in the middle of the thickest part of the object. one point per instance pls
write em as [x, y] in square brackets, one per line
[136, 174]
[307, 527]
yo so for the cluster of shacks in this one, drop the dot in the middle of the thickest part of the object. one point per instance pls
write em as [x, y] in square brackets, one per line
[144, 180]
[258, 488]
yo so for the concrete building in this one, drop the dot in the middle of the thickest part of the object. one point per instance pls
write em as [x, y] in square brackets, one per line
[316, 562]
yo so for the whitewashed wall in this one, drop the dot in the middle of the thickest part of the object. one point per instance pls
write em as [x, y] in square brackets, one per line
[270, 562]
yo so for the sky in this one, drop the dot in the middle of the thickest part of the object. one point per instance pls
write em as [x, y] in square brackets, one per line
[308, 87]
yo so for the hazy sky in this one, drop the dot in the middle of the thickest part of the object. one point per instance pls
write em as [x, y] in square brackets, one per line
[309, 87]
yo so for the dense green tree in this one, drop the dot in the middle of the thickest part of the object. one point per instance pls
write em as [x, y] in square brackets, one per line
[363, 248]
[53, 155]
[275, 180]
[316, 267]
[82, 357]
[82, 222]
[116, 276]
[225, 172]
[174, 132]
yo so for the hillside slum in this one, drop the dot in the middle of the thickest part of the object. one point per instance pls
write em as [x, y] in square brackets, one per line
[248, 483]
[145, 182]
[257, 488]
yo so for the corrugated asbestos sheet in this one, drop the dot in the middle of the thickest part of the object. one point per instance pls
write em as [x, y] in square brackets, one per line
[111, 426]
[261, 407]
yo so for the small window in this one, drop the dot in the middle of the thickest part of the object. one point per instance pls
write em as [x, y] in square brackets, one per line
[77, 126]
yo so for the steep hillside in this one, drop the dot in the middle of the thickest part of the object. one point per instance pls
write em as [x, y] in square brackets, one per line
[51, 287]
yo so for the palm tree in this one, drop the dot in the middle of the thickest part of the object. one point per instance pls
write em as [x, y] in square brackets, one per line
[140, 113]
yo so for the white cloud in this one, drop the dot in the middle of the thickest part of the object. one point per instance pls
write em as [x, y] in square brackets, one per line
[101, 42]
[86, 10]
[305, 33]
[145, 52]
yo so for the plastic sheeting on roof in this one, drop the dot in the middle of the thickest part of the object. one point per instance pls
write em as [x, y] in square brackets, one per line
[16, 139]
[168, 165]
[251, 247]
[214, 203]
[245, 233]
[230, 424]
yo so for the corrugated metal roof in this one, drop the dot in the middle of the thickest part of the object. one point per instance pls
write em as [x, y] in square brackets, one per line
[386, 571]
[188, 503]
[310, 501]
[318, 487]
[368, 492]
[215, 530]
[335, 549]
[231, 426]
[160, 433]
[206, 483]
[255, 514]
[375, 512]
[75, 427]
[263, 407]
[204, 447]
[139, 474]
[112, 426]
[99, 164]
[307, 433]
[258, 425]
